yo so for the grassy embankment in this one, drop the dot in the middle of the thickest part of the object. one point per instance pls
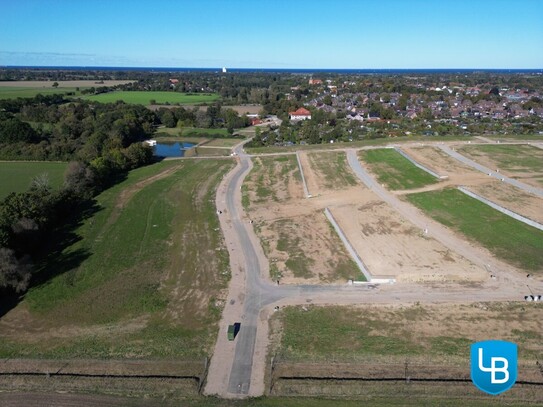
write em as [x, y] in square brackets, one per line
[394, 170]
[160, 97]
[17, 176]
[509, 239]
[142, 281]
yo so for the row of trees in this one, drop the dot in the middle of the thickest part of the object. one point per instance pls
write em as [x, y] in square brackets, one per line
[101, 141]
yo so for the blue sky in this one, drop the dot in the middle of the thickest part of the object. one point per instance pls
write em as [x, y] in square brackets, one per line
[273, 34]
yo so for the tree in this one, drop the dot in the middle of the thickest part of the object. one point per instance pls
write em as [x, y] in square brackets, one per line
[55, 85]
[80, 179]
[14, 273]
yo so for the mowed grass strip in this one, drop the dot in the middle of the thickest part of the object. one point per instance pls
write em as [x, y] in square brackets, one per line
[523, 158]
[144, 279]
[508, 239]
[160, 97]
[17, 176]
[333, 168]
[394, 170]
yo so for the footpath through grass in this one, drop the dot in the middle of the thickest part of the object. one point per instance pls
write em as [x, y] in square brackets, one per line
[17, 176]
[508, 239]
[394, 170]
[144, 278]
[159, 97]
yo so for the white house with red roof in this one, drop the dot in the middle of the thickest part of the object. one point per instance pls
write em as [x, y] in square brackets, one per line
[300, 114]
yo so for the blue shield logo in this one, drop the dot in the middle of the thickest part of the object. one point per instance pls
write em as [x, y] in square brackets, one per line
[494, 366]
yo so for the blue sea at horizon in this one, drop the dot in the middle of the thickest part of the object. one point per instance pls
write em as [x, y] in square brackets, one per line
[281, 70]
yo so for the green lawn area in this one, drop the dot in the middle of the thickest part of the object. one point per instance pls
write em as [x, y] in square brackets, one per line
[17, 176]
[10, 92]
[515, 158]
[144, 98]
[333, 168]
[134, 285]
[507, 238]
[394, 170]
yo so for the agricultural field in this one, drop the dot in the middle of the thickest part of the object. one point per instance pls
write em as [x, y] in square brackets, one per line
[394, 170]
[507, 238]
[523, 162]
[28, 89]
[145, 98]
[131, 285]
[17, 176]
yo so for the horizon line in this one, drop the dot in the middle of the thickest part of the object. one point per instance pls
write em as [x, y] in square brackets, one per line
[270, 68]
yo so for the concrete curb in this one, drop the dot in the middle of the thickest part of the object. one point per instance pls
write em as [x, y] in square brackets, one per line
[512, 214]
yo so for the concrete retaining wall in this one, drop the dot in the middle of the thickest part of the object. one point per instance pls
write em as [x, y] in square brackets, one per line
[502, 209]
[347, 244]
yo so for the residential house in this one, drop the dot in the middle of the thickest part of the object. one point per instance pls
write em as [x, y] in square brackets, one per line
[300, 114]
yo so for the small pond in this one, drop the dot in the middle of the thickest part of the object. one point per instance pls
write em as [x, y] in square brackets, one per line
[171, 149]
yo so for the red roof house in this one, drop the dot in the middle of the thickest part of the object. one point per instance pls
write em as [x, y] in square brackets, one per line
[300, 114]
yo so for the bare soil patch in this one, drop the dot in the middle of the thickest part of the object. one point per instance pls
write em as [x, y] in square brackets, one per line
[390, 246]
[512, 198]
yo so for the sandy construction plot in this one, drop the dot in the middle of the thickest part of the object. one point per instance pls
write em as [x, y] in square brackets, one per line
[512, 198]
[327, 173]
[391, 246]
[441, 163]
[302, 247]
[522, 162]
[298, 240]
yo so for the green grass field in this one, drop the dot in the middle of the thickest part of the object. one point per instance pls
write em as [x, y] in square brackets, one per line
[514, 158]
[134, 286]
[507, 238]
[394, 170]
[333, 168]
[390, 333]
[17, 176]
[144, 98]
[10, 92]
